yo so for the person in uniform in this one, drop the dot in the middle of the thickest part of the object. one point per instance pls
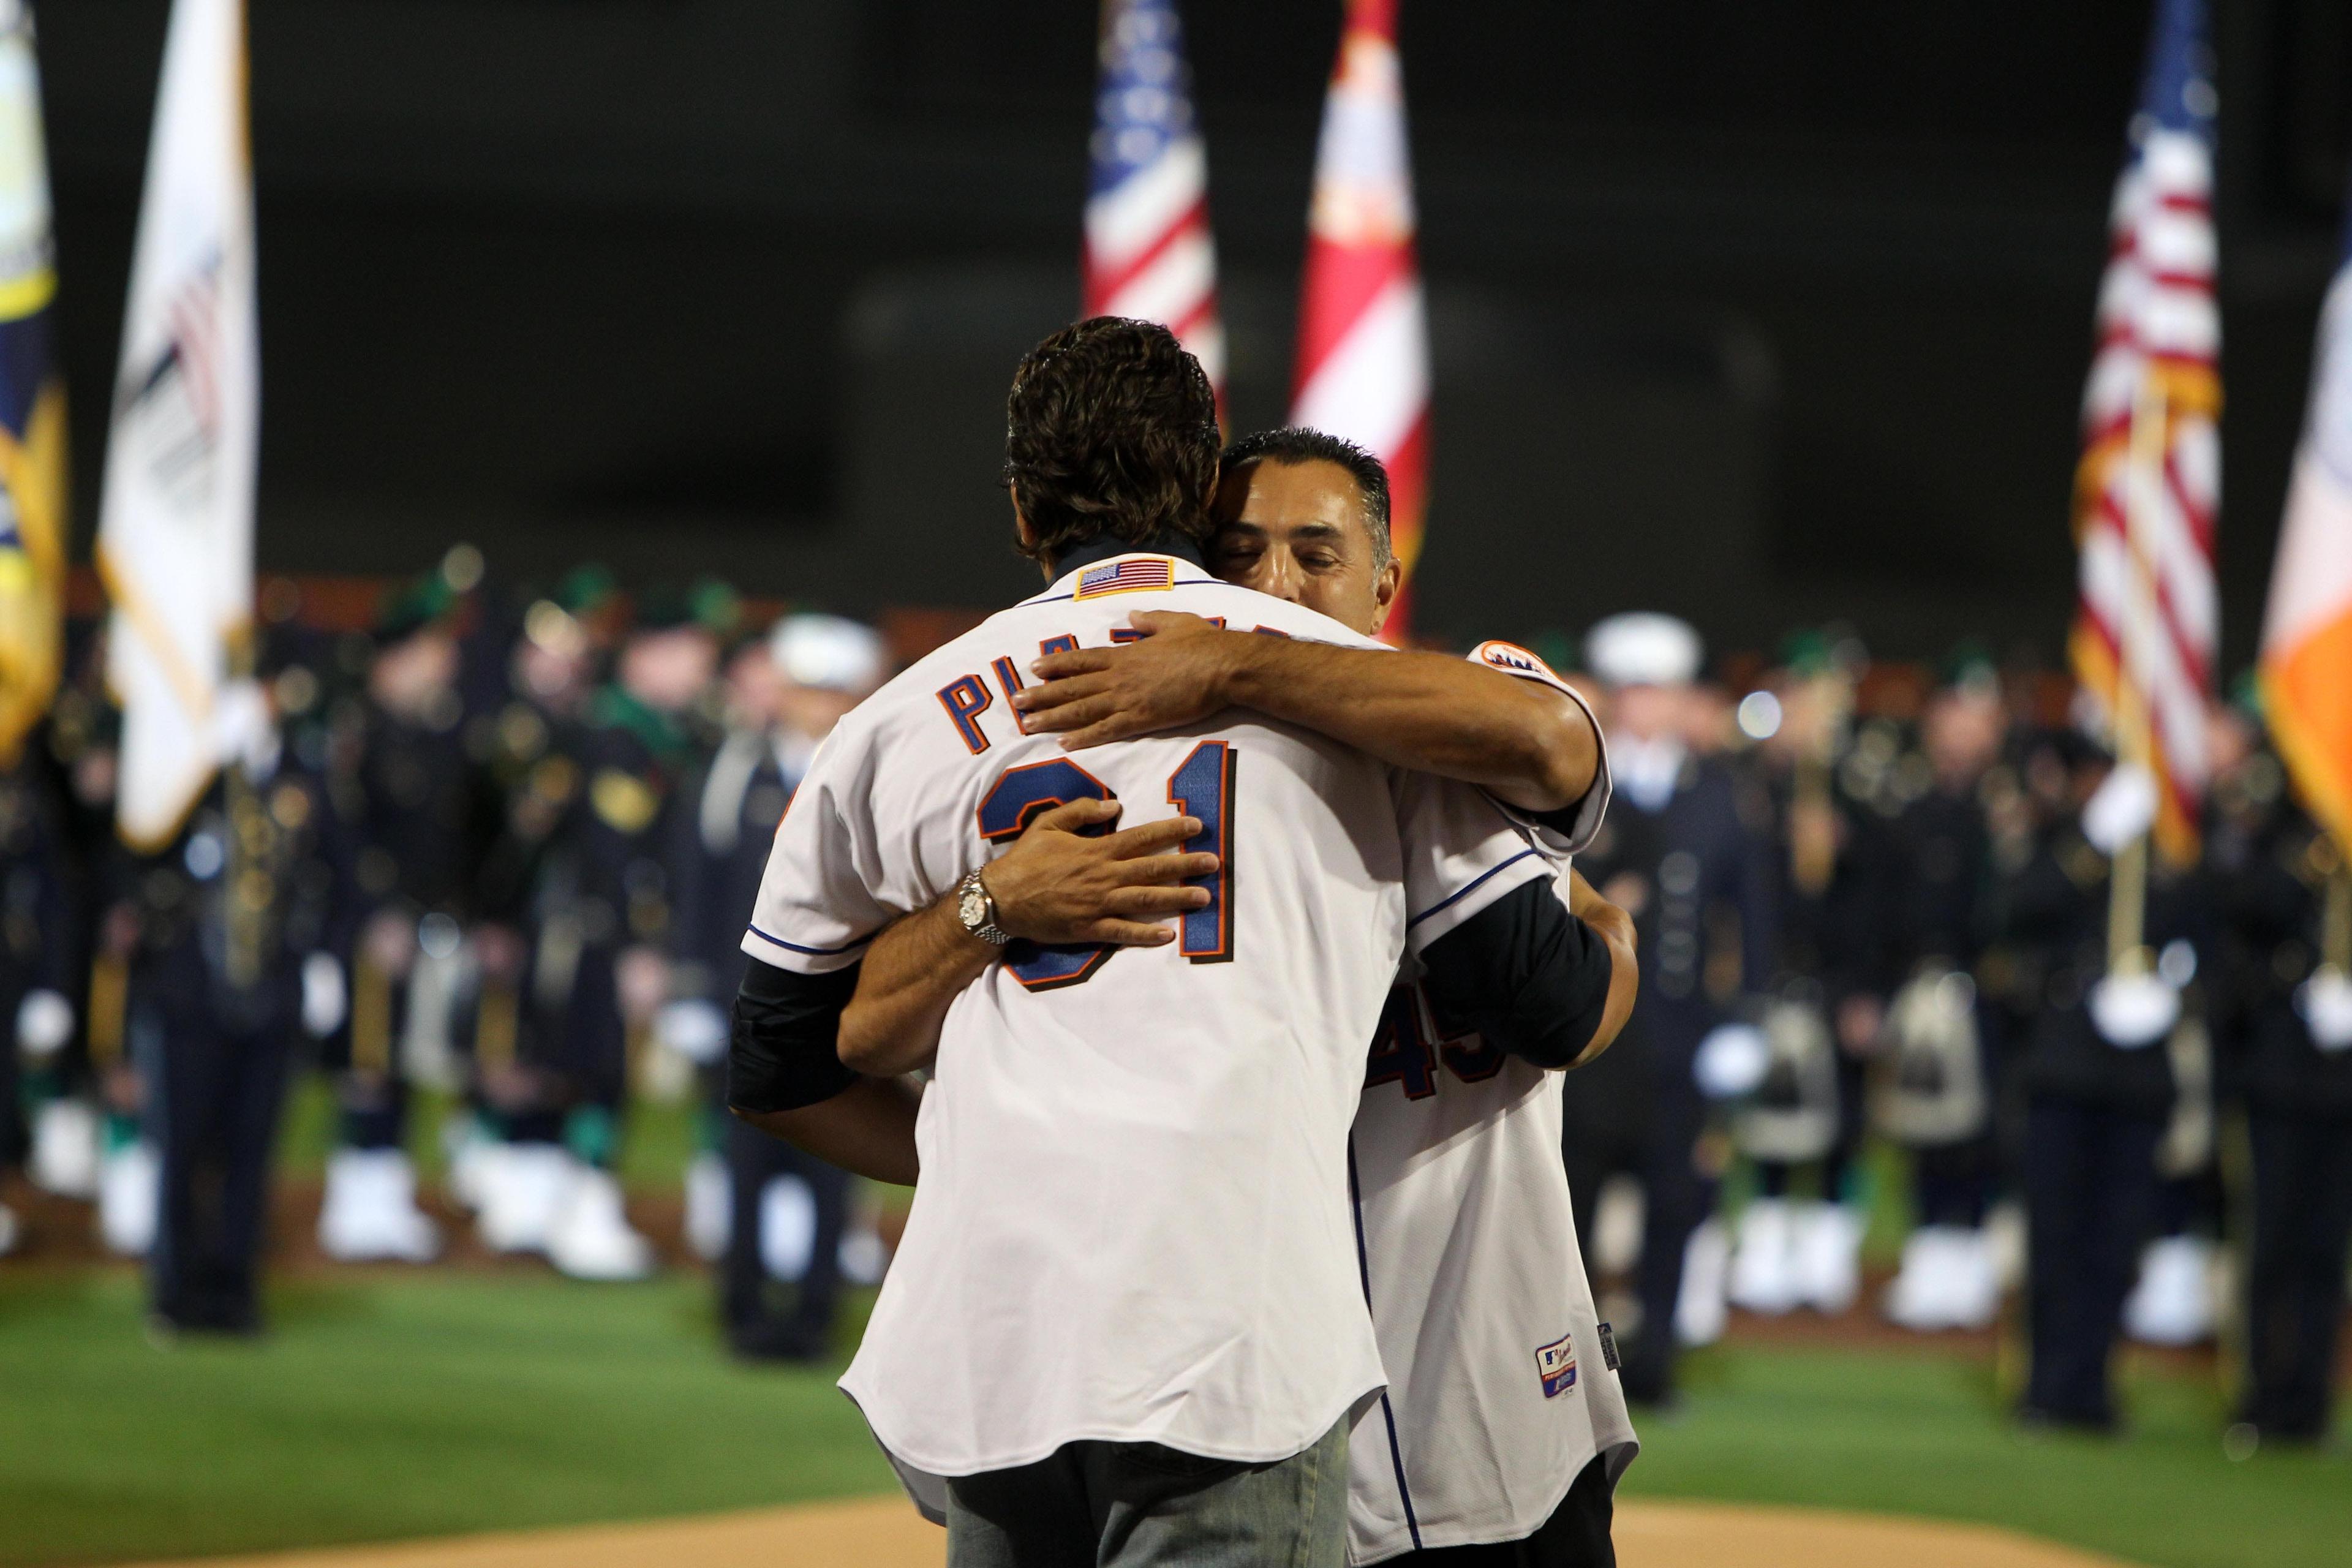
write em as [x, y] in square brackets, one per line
[506, 1158]
[2098, 1076]
[602, 906]
[36, 957]
[90, 1140]
[1835, 905]
[229, 920]
[412, 798]
[63, 1122]
[2176, 1300]
[1937, 1099]
[786, 693]
[1682, 854]
[2286, 1042]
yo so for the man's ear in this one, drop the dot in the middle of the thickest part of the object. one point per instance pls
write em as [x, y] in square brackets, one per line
[1027, 536]
[1385, 588]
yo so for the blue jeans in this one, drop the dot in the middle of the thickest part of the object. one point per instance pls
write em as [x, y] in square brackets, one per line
[1139, 1505]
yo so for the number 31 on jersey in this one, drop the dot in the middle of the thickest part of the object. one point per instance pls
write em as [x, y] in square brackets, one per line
[1202, 786]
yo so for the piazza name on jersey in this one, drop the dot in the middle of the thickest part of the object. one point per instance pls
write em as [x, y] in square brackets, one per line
[966, 697]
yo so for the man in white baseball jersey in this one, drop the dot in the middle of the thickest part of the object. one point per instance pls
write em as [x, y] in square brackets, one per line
[1504, 1428]
[1127, 1317]
[1485, 1448]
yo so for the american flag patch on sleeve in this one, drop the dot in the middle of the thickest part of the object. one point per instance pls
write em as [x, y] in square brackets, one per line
[1135, 575]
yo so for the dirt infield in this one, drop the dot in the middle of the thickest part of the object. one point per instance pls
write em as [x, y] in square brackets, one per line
[884, 1532]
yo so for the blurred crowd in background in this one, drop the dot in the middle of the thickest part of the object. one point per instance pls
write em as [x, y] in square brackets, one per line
[501, 845]
[1875, 913]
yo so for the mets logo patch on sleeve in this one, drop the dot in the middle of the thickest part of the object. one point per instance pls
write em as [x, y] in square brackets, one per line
[1512, 659]
[1136, 574]
[1556, 1364]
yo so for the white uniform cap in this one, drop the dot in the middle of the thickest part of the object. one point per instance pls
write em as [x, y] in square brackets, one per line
[1641, 647]
[827, 652]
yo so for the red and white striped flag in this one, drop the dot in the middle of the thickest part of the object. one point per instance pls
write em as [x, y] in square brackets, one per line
[2147, 607]
[1363, 334]
[1149, 250]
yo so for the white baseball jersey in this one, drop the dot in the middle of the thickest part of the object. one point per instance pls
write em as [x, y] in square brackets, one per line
[1134, 1221]
[1499, 1388]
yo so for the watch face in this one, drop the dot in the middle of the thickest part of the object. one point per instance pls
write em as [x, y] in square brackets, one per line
[972, 908]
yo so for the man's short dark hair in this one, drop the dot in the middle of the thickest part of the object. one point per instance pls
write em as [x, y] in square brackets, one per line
[1296, 444]
[1111, 429]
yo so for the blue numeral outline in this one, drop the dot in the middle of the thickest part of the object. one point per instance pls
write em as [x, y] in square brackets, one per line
[1400, 1052]
[1202, 786]
[1411, 1043]
[1468, 1057]
[1038, 788]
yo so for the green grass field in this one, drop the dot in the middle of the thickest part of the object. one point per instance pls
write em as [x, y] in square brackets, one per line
[385, 1407]
[1926, 1433]
[391, 1404]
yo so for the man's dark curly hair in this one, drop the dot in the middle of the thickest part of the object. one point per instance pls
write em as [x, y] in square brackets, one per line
[1111, 429]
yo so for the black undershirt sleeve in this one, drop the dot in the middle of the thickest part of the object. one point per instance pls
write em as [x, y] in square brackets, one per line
[1524, 974]
[1562, 821]
[782, 1052]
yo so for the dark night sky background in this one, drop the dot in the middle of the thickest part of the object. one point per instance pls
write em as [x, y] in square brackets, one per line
[1761, 311]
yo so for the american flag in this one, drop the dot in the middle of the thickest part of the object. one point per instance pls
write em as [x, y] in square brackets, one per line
[2148, 614]
[1149, 251]
[1132, 575]
[1363, 336]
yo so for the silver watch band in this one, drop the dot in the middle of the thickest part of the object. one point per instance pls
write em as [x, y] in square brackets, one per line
[973, 891]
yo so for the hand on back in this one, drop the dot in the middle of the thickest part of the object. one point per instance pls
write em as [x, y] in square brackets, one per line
[1174, 676]
[1058, 885]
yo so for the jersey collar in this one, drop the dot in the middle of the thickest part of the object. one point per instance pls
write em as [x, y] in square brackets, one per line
[1184, 555]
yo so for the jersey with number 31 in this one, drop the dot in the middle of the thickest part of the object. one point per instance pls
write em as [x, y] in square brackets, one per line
[1134, 1223]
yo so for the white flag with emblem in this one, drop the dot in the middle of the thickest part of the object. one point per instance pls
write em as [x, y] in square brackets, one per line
[175, 526]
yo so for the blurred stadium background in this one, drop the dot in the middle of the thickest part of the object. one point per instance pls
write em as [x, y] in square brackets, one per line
[1774, 317]
[636, 281]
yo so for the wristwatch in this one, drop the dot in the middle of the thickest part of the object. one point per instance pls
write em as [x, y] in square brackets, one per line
[977, 910]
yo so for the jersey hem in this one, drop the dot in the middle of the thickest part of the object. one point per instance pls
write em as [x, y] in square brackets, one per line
[1515, 1528]
[902, 1458]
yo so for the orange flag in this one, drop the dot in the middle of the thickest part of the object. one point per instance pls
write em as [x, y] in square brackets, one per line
[2306, 665]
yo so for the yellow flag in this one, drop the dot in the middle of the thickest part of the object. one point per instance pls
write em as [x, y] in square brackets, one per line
[32, 402]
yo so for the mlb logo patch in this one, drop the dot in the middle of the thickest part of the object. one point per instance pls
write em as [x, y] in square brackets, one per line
[1556, 1365]
[1138, 574]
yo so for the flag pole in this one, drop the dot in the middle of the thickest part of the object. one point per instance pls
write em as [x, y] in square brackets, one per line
[2135, 741]
[2336, 919]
